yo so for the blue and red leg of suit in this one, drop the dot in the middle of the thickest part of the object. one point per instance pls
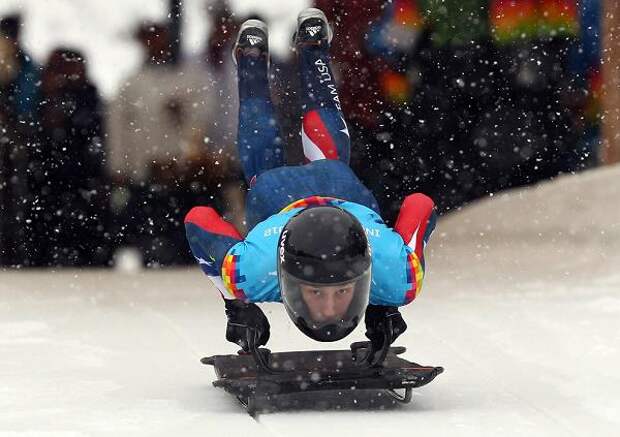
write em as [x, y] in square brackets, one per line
[324, 131]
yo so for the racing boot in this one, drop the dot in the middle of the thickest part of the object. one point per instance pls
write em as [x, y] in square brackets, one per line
[252, 40]
[312, 29]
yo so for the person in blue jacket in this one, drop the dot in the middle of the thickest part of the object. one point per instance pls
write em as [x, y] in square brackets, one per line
[316, 240]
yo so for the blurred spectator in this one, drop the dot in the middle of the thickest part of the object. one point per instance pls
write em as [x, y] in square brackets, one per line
[374, 63]
[145, 122]
[213, 160]
[456, 23]
[19, 77]
[401, 165]
[585, 65]
[146, 148]
[456, 98]
[172, 131]
[165, 115]
[533, 39]
[18, 73]
[70, 188]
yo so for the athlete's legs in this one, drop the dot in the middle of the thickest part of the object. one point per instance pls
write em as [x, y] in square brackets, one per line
[324, 130]
[260, 147]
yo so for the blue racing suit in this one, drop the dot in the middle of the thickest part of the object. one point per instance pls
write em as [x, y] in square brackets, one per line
[245, 268]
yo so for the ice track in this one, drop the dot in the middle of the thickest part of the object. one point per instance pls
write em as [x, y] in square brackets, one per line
[527, 328]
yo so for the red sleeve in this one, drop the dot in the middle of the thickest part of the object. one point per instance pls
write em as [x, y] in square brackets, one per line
[210, 237]
[416, 221]
[207, 219]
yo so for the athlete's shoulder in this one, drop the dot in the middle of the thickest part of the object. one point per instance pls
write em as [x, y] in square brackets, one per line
[416, 221]
[249, 270]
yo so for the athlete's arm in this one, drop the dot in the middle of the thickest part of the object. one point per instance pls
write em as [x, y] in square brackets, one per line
[415, 224]
[210, 238]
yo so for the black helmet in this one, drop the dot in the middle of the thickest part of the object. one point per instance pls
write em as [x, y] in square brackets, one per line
[324, 271]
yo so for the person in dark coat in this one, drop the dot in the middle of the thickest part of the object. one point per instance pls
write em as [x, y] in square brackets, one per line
[19, 78]
[72, 188]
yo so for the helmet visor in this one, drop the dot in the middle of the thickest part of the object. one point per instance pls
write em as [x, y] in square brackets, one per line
[325, 312]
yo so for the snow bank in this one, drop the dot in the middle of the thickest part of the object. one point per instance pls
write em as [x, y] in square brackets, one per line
[583, 208]
[568, 226]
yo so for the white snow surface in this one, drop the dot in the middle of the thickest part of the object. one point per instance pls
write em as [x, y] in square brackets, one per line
[521, 306]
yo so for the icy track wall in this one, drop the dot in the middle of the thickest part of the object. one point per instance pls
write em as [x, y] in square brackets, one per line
[566, 228]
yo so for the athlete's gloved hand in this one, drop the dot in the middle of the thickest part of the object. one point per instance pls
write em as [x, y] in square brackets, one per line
[377, 317]
[243, 317]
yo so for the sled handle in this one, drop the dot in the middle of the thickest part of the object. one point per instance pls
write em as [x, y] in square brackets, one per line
[376, 357]
[259, 357]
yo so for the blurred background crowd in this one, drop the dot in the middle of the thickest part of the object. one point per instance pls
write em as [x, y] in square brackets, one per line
[456, 99]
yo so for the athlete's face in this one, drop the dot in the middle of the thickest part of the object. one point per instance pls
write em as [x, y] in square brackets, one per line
[327, 303]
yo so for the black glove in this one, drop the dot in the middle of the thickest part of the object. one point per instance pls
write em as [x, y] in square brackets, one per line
[244, 317]
[377, 317]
